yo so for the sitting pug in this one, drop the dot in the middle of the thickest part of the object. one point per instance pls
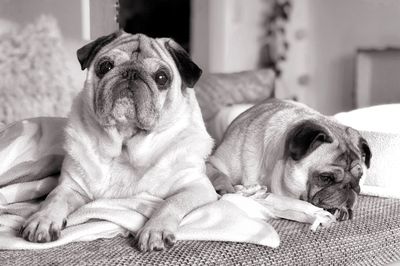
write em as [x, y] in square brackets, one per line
[135, 127]
[296, 152]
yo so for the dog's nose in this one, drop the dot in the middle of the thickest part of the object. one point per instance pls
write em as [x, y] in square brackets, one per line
[130, 74]
[355, 186]
[356, 170]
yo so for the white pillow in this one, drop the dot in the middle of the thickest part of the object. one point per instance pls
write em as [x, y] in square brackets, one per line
[380, 126]
[217, 125]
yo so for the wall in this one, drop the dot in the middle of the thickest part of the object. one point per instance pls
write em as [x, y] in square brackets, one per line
[68, 13]
[200, 33]
[227, 34]
[377, 77]
[78, 20]
[337, 29]
[322, 58]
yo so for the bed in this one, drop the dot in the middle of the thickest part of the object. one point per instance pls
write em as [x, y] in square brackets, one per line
[371, 238]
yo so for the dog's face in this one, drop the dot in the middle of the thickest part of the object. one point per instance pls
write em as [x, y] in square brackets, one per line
[133, 79]
[329, 159]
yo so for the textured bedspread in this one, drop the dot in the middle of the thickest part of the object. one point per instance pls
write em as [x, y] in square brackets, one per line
[371, 238]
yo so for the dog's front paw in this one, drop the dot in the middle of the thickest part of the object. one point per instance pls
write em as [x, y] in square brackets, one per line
[42, 227]
[223, 185]
[155, 239]
[322, 218]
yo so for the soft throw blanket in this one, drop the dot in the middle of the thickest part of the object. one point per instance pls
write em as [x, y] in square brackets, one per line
[30, 160]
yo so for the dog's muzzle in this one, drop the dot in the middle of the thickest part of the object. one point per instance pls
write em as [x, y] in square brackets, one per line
[337, 199]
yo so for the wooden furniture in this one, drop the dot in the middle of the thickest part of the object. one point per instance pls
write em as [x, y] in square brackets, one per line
[377, 77]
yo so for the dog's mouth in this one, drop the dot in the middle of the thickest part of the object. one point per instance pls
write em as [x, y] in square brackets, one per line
[125, 104]
[337, 209]
[341, 211]
[341, 207]
[337, 199]
[341, 214]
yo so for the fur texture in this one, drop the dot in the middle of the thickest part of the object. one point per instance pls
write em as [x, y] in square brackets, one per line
[294, 151]
[128, 133]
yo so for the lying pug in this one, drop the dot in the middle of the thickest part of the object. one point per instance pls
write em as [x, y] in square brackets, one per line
[296, 153]
[135, 127]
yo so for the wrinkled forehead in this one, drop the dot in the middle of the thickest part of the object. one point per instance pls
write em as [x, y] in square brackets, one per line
[136, 47]
[346, 148]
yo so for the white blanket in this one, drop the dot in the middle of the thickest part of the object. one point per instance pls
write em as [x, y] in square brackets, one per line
[233, 218]
[30, 150]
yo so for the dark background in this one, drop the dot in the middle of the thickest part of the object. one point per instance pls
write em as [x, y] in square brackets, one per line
[157, 18]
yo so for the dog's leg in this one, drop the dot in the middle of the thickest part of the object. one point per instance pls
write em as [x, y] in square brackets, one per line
[297, 210]
[45, 225]
[221, 182]
[159, 231]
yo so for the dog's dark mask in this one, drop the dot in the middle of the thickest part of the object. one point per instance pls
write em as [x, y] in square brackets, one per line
[133, 77]
[334, 175]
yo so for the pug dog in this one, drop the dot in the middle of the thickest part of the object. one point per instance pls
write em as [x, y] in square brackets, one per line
[136, 127]
[296, 153]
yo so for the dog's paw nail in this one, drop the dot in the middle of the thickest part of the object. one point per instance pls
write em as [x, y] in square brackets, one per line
[39, 238]
[31, 236]
[170, 240]
[55, 235]
[26, 234]
[350, 211]
[343, 215]
[21, 230]
[222, 192]
[64, 224]
[156, 247]
[54, 232]
[322, 219]
[143, 248]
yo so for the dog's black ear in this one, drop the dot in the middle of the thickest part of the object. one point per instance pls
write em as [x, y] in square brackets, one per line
[189, 71]
[305, 138]
[366, 152]
[87, 53]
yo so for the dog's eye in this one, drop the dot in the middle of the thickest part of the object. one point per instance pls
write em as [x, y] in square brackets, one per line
[103, 67]
[161, 78]
[326, 178]
[363, 156]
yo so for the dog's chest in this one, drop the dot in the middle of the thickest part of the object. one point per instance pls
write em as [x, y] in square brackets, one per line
[140, 152]
[139, 168]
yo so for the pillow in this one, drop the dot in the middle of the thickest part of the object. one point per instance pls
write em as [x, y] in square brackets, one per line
[217, 126]
[214, 91]
[380, 126]
[35, 76]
